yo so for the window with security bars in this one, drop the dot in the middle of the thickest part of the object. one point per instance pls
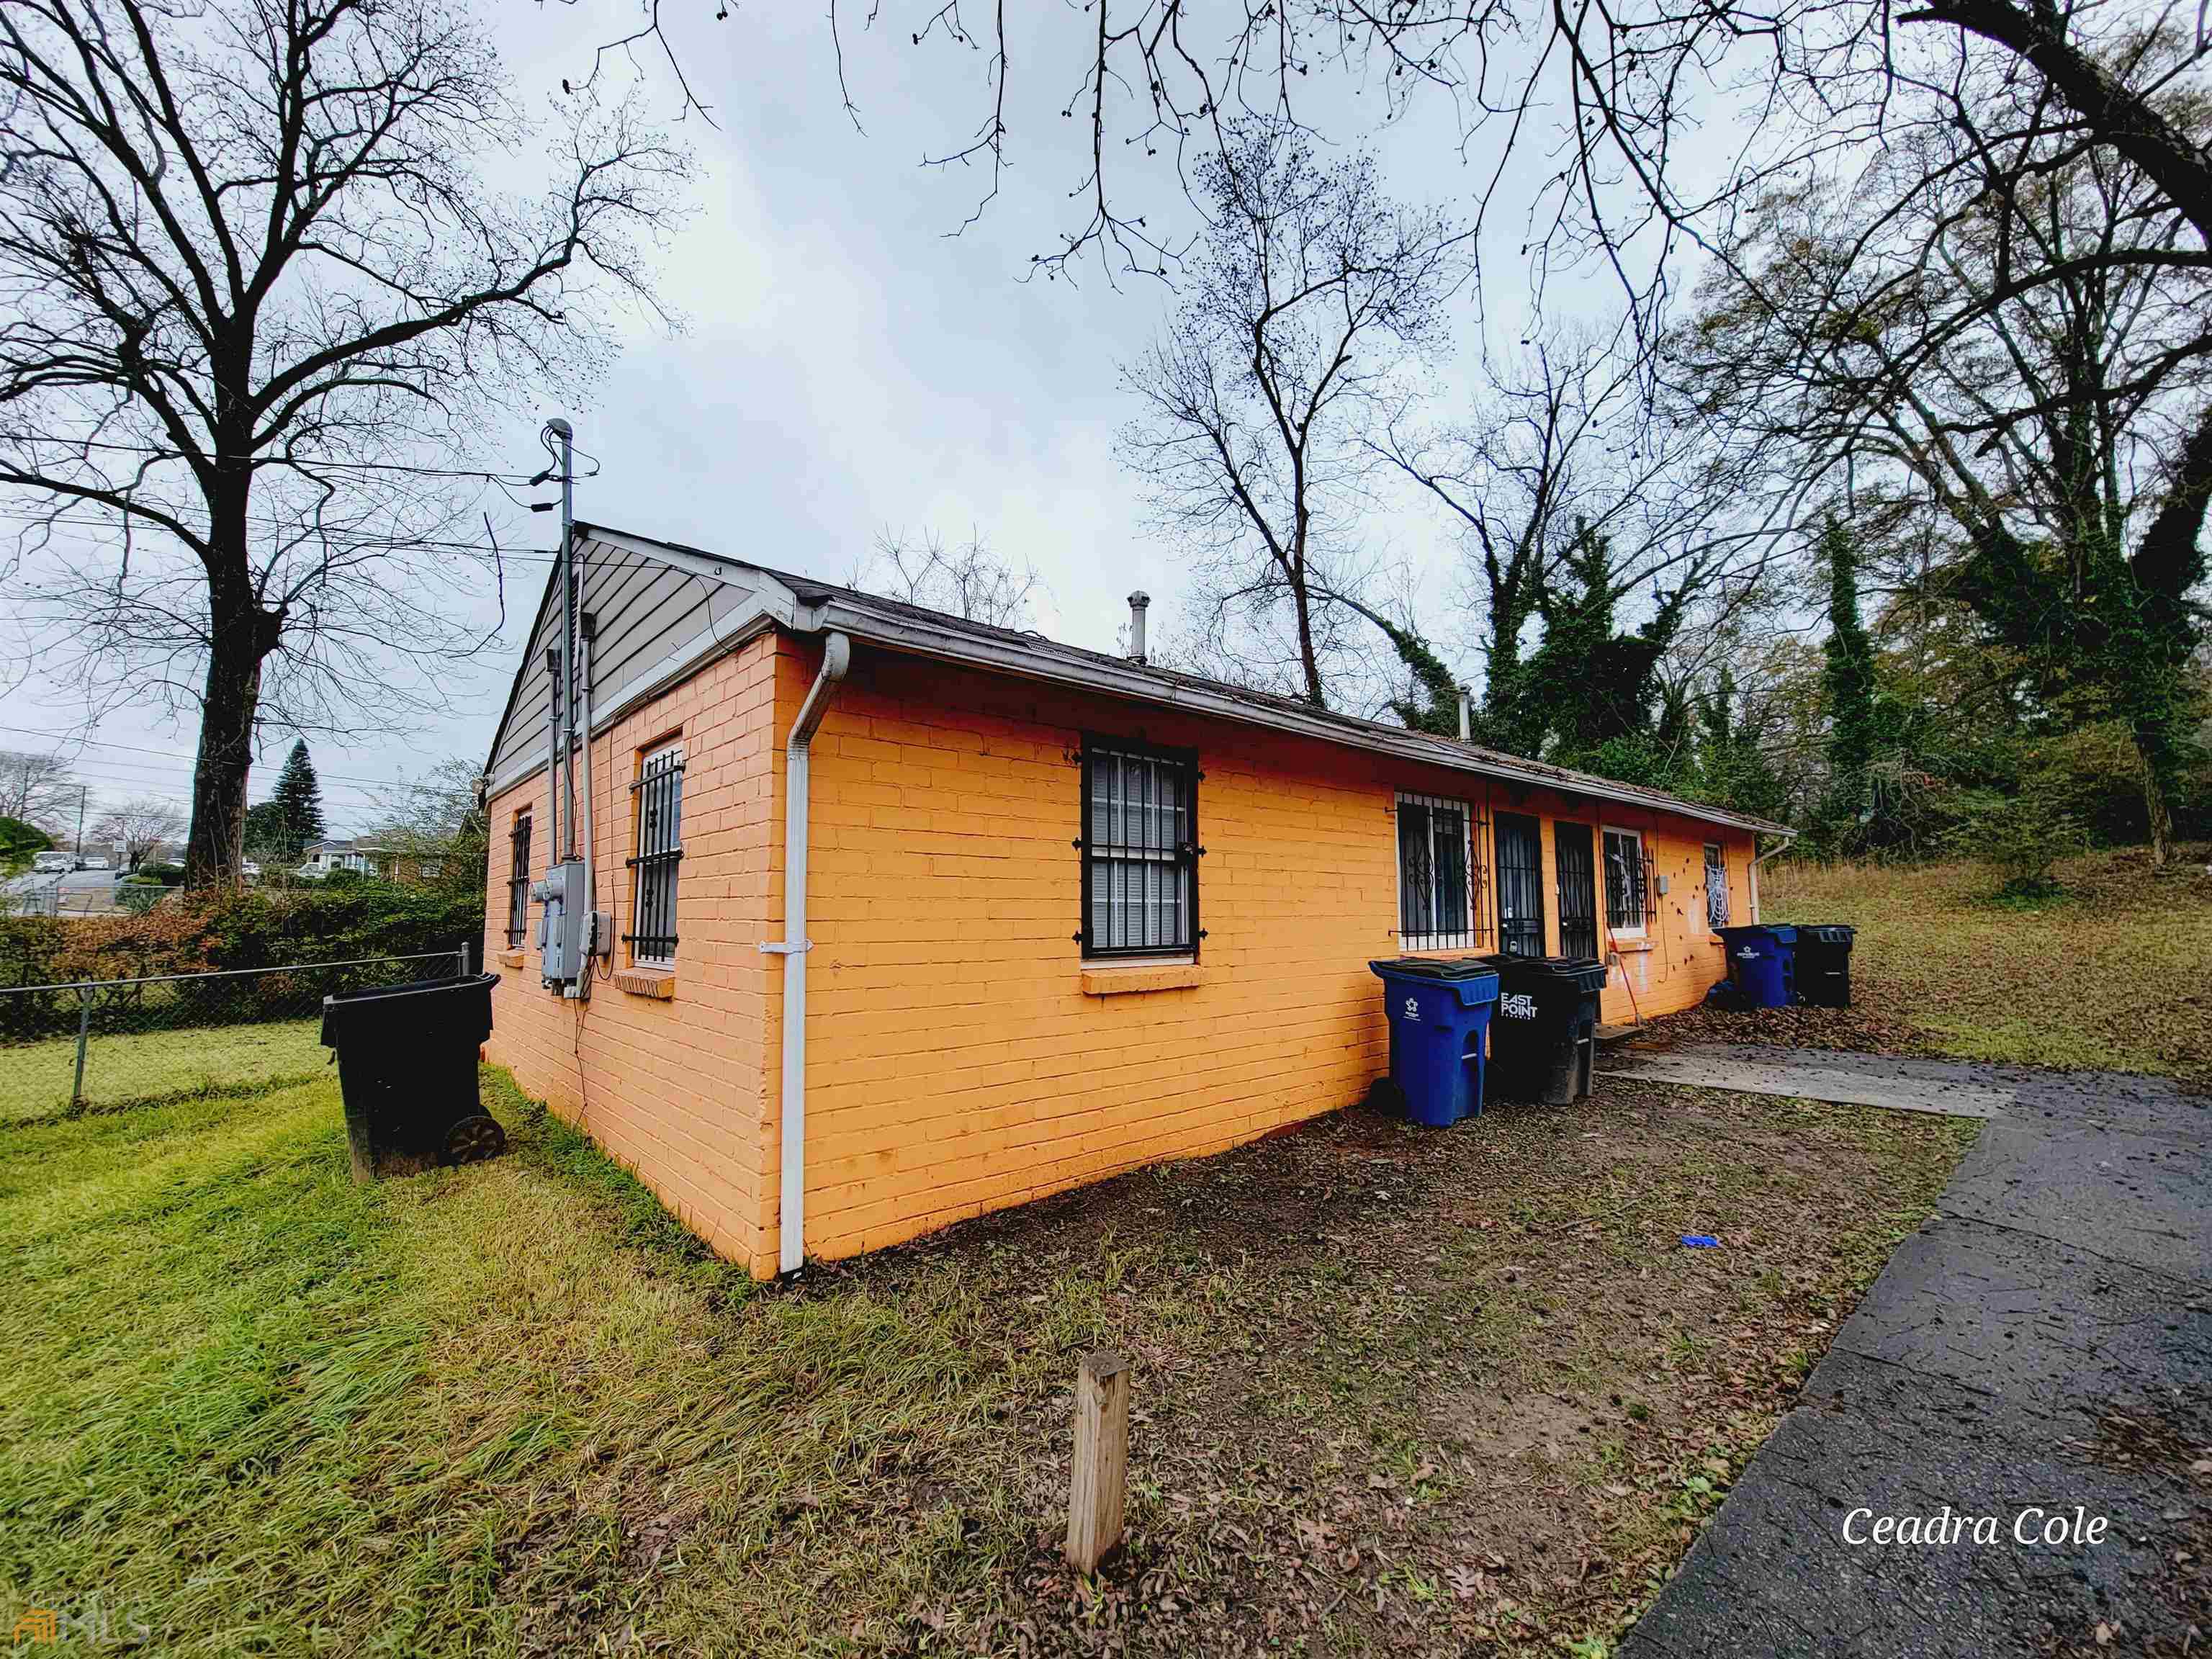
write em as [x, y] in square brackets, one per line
[1520, 886]
[1435, 881]
[1139, 850]
[517, 882]
[1626, 881]
[659, 791]
[1716, 909]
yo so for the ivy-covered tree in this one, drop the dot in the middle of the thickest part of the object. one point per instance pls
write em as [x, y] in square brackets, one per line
[1592, 687]
[1732, 767]
[1848, 676]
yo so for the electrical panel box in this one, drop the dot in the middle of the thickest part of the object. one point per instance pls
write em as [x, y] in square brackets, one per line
[560, 894]
[1662, 886]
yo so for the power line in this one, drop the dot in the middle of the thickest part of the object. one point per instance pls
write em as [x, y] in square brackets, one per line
[512, 555]
[163, 453]
[172, 758]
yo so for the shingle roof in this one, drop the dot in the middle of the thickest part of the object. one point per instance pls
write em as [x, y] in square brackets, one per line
[1038, 656]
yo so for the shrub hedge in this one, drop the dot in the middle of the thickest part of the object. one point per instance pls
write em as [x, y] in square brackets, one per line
[244, 929]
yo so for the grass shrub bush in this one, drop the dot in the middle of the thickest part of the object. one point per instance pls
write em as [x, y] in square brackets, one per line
[197, 932]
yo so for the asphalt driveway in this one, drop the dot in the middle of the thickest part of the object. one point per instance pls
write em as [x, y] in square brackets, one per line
[2036, 1360]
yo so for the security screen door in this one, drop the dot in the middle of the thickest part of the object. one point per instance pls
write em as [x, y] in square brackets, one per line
[1571, 849]
[1520, 886]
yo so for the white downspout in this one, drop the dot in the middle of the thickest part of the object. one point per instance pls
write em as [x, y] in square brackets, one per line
[1758, 859]
[836, 658]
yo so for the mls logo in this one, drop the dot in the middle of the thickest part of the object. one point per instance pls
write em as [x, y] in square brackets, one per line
[1413, 1007]
[1519, 1006]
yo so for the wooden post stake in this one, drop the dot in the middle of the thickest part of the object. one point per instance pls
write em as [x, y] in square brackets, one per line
[1101, 1459]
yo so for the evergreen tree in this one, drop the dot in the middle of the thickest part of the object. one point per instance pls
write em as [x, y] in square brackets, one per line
[267, 838]
[302, 798]
[1593, 687]
[1848, 677]
[1733, 768]
[1431, 703]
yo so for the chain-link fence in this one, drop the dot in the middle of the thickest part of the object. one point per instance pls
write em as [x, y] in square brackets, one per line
[103, 1041]
[51, 897]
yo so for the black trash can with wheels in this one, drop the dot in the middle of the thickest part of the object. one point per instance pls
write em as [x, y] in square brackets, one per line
[1543, 1036]
[1823, 964]
[407, 1069]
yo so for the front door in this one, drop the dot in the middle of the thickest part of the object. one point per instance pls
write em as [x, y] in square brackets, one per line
[1520, 886]
[1577, 867]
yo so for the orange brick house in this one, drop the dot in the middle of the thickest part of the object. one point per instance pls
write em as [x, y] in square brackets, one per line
[1058, 914]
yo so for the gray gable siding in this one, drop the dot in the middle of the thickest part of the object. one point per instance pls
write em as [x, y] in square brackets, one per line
[651, 614]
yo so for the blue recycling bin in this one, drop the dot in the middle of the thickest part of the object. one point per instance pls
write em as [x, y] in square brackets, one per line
[1762, 964]
[1439, 1015]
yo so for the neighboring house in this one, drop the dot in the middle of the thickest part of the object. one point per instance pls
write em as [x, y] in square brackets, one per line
[1065, 914]
[364, 857]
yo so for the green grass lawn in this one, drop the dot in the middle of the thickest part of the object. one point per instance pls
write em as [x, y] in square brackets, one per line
[2114, 973]
[36, 1078]
[1395, 1391]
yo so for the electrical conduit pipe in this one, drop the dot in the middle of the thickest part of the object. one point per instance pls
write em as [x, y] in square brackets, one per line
[836, 658]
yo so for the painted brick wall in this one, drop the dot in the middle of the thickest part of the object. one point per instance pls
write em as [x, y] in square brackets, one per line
[1677, 959]
[956, 1062]
[675, 1087]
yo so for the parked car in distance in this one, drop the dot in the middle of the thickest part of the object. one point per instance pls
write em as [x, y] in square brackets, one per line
[50, 864]
[92, 863]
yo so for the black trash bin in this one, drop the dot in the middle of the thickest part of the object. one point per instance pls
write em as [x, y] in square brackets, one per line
[1543, 1036]
[1823, 964]
[407, 1069]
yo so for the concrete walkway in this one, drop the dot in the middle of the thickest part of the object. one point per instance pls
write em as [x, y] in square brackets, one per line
[2044, 1343]
[1955, 1088]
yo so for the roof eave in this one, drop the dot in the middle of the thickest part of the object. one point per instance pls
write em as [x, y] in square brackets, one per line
[784, 602]
[1134, 682]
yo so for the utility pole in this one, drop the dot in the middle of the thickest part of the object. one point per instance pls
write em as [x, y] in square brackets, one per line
[83, 790]
[565, 741]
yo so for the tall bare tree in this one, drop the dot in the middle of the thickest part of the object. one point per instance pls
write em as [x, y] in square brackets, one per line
[1596, 107]
[2023, 357]
[1310, 292]
[138, 829]
[254, 296]
[35, 788]
[965, 581]
[1564, 443]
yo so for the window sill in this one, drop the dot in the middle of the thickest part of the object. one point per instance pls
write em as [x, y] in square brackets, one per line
[510, 958]
[1638, 945]
[658, 983]
[1118, 982]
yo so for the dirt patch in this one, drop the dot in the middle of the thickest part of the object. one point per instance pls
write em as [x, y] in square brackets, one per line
[1409, 1391]
[1864, 1030]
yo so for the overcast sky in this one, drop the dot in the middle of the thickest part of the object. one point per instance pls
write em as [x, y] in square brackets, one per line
[846, 366]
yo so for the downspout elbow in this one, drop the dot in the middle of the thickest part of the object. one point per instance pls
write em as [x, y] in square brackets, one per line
[836, 658]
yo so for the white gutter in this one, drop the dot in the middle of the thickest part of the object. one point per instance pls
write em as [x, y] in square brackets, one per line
[836, 658]
[1119, 678]
[777, 601]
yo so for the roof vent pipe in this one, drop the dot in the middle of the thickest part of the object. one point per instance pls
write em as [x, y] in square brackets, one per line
[1466, 716]
[1138, 602]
